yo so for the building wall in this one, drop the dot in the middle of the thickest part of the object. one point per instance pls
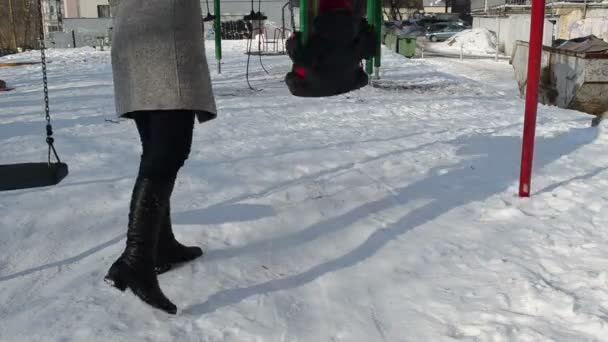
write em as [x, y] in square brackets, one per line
[436, 9]
[572, 24]
[481, 4]
[567, 17]
[82, 8]
[511, 29]
[88, 8]
[52, 11]
[229, 8]
[70, 8]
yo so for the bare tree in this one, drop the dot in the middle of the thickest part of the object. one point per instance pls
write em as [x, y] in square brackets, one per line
[395, 9]
[21, 28]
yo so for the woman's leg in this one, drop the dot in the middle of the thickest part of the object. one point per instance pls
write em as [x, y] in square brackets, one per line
[169, 250]
[166, 139]
[164, 154]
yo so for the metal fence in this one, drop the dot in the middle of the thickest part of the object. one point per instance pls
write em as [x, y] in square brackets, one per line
[477, 5]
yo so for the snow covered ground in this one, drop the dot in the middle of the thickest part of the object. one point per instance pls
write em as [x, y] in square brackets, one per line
[382, 215]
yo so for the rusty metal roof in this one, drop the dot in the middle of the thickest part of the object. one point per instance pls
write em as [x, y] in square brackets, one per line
[588, 44]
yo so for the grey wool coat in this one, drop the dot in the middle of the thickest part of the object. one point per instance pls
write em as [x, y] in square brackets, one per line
[158, 58]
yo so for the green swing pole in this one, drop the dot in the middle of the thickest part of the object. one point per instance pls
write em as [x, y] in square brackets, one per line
[378, 15]
[371, 19]
[217, 28]
[304, 29]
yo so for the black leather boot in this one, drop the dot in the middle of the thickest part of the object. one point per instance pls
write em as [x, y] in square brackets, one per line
[134, 269]
[170, 251]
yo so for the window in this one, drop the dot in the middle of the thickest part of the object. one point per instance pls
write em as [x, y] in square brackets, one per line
[438, 28]
[103, 11]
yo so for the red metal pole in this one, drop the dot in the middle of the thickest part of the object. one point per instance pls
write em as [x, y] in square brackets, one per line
[534, 59]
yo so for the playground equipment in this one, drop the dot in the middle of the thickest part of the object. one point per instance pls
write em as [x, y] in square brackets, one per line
[30, 175]
[328, 49]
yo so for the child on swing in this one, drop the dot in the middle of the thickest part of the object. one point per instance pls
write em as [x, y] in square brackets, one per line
[329, 62]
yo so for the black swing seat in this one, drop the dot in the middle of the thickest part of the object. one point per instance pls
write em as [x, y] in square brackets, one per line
[31, 175]
[209, 17]
[252, 16]
[323, 84]
[330, 63]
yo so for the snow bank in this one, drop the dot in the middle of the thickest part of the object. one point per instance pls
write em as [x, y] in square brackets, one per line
[479, 41]
[67, 54]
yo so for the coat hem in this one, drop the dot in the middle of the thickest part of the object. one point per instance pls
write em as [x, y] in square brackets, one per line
[202, 116]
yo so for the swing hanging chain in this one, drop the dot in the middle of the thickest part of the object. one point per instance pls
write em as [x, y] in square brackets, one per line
[208, 12]
[259, 21]
[262, 35]
[293, 20]
[49, 128]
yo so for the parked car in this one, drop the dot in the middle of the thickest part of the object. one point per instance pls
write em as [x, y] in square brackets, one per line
[442, 25]
[412, 32]
[426, 22]
[443, 31]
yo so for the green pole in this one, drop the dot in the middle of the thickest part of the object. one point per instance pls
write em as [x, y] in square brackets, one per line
[371, 19]
[217, 28]
[304, 20]
[378, 29]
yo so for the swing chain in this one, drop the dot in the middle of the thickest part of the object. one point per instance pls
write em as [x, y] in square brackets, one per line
[293, 20]
[49, 128]
[208, 12]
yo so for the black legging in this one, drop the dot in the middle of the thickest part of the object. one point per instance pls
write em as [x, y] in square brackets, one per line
[166, 138]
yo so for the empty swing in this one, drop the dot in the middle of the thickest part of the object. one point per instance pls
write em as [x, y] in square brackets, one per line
[31, 175]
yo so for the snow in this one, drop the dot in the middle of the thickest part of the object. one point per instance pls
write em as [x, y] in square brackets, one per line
[478, 41]
[382, 215]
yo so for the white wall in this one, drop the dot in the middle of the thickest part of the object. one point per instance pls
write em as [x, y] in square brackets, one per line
[511, 29]
[575, 23]
[597, 26]
[88, 8]
[70, 8]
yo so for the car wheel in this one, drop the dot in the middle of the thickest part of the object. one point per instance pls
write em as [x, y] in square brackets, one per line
[433, 38]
